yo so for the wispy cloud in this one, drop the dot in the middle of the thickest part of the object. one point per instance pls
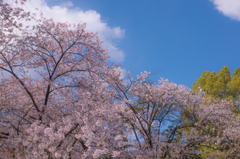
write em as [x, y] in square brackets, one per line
[230, 8]
[66, 12]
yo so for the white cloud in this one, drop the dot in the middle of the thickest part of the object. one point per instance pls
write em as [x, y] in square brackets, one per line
[67, 13]
[230, 8]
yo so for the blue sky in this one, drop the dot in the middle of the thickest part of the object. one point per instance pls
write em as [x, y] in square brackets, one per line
[177, 38]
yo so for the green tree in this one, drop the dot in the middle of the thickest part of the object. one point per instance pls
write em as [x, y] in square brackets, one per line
[221, 85]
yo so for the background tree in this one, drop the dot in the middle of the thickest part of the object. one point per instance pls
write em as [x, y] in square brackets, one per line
[219, 85]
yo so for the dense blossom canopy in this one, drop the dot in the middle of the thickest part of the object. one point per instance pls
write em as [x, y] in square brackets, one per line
[60, 98]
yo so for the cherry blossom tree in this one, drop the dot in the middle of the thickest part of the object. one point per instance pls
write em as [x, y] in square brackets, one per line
[160, 130]
[157, 116]
[58, 98]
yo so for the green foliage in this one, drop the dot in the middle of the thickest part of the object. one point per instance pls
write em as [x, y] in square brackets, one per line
[234, 85]
[220, 85]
